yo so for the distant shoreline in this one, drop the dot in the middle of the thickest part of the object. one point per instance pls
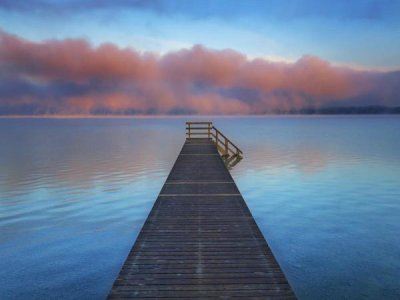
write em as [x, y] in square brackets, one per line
[326, 111]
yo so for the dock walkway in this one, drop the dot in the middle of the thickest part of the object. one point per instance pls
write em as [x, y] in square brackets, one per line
[200, 240]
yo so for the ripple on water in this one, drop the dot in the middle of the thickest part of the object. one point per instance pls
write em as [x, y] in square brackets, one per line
[75, 193]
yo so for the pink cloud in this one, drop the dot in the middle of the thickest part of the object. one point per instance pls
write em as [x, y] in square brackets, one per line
[74, 60]
[71, 76]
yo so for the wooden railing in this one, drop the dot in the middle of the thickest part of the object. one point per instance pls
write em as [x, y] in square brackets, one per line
[197, 130]
[224, 145]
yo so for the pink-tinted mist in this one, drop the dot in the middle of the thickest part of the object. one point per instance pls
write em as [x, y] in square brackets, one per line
[196, 80]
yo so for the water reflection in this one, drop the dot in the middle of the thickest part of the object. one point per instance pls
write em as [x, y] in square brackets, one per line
[324, 192]
[74, 194]
[80, 187]
[231, 161]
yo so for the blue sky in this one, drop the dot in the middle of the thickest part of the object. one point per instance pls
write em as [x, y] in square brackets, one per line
[359, 33]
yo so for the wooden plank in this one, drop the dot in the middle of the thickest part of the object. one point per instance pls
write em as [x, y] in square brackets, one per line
[154, 293]
[200, 240]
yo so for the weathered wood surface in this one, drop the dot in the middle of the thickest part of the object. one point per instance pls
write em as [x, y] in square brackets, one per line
[200, 240]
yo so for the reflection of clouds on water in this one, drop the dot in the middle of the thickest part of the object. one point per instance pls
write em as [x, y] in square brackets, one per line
[81, 174]
[323, 187]
[276, 158]
[311, 144]
[75, 191]
[54, 155]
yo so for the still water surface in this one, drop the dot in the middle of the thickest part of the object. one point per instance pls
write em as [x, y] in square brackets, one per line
[325, 192]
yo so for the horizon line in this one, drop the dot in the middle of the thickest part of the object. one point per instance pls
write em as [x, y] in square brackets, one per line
[187, 116]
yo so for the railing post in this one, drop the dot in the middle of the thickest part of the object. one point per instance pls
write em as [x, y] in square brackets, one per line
[216, 137]
[208, 130]
[226, 147]
[189, 130]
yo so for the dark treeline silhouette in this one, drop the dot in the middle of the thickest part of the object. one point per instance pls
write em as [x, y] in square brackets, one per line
[29, 110]
[349, 110]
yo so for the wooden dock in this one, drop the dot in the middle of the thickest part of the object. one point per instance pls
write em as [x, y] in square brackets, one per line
[200, 240]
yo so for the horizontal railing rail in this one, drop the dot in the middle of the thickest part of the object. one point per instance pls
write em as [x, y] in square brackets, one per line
[200, 129]
[196, 130]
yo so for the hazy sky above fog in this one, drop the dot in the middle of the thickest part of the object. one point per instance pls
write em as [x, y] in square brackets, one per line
[205, 56]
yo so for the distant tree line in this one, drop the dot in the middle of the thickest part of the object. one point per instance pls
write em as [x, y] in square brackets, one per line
[349, 110]
[30, 110]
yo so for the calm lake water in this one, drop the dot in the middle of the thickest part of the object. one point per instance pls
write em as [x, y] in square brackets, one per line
[325, 192]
